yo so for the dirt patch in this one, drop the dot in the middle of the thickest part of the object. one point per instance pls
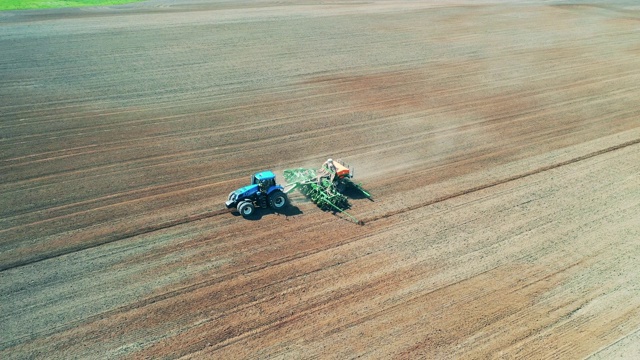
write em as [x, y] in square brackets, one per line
[499, 141]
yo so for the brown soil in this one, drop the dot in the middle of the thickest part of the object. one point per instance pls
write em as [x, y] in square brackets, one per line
[500, 141]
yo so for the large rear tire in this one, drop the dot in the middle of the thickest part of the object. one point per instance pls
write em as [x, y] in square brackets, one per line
[246, 209]
[278, 200]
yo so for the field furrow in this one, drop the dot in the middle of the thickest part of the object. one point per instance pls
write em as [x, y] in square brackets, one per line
[500, 141]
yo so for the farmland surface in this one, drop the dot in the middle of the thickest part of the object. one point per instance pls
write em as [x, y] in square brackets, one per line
[500, 141]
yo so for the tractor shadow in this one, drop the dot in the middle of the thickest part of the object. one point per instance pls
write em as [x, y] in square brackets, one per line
[259, 213]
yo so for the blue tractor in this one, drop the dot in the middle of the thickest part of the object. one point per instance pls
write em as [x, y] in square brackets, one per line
[263, 192]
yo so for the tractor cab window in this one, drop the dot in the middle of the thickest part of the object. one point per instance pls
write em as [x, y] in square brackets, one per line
[265, 184]
[263, 180]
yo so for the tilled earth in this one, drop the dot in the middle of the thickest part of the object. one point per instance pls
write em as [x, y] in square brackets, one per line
[500, 141]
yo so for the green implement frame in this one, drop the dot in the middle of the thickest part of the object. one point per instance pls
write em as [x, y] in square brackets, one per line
[321, 190]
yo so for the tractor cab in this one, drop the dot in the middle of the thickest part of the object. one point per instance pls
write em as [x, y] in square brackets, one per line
[265, 180]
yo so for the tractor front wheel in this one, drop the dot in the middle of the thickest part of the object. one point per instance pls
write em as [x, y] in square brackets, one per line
[278, 200]
[246, 208]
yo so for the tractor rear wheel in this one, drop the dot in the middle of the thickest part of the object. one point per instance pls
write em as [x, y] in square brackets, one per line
[278, 200]
[246, 208]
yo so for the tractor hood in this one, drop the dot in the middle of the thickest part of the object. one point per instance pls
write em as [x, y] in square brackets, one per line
[248, 190]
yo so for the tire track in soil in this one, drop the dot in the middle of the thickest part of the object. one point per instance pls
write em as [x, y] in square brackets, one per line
[503, 181]
[379, 221]
[181, 156]
[346, 295]
[183, 290]
[113, 238]
[197, 217]
[549, 74]
[466, 89]
[168, 224]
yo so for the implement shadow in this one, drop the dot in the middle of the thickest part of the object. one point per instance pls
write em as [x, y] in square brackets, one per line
[355, 193]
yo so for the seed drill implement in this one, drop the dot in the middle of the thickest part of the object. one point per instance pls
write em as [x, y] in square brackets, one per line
[326, 186]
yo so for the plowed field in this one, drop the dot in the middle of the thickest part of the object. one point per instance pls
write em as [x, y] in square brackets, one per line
[500, 141]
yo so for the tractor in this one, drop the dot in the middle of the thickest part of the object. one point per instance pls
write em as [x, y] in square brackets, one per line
[262, 193]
